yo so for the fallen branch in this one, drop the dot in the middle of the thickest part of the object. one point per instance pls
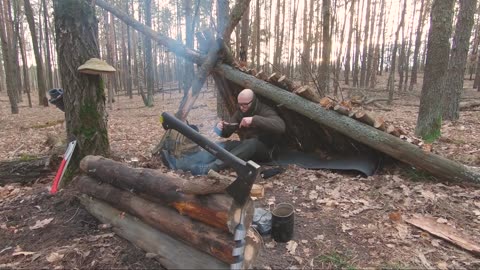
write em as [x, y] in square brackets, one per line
[445, 232]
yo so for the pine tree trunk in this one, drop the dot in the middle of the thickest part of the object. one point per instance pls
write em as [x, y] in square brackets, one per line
[8, 63]
[363, 70]
[148, 55]
[48, 64]
[26, 76]
[349, 43]
[76, 29]
[327, 48]
[391, 76]
[458, 60]
[42, 88]
[429, 120]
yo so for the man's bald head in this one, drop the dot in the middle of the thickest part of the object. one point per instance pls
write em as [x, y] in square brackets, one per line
[246, 94]
[245, 98]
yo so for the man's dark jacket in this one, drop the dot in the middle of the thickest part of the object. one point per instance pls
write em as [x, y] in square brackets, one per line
[266, 125]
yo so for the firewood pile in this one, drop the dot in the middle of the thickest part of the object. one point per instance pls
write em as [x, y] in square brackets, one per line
[149, 209]
[353, 108]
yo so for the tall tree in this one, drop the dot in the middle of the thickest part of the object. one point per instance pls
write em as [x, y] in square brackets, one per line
[458, 59]
[391, 76]
[418, 43]
[42, 88]
[48, 64]
[327, 47]
[429, 120]
[363, 69]
[148, 54]
[76, 29]
[349, 43]
[8, 62]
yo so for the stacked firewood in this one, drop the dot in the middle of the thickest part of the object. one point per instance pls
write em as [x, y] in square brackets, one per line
[151, 210]
[351, 108]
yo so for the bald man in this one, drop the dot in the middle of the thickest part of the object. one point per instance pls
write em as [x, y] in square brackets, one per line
[258, 126]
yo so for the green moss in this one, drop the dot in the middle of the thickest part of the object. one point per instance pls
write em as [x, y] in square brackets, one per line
[27, 157]
[48, 124]
[336, 261]
[435, 131]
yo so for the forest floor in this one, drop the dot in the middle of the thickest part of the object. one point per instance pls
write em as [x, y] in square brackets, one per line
[342, 220]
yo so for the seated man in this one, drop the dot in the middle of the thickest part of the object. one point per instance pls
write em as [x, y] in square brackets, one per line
[258, 126]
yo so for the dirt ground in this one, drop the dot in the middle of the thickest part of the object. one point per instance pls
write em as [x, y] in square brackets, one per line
[342, 220]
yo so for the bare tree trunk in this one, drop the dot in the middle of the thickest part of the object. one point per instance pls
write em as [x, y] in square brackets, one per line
[76, 29]
[391, 77]
[376, 56]
[148, 55]
[42, 88]
[358, 41]
[363, 70]
[370, 45]
[327, 47]
[418, 43]
[8, 62]
[458, 60]
[26, 76]
[349, 43]
[429, 120]
[291, 68]
[48, 64]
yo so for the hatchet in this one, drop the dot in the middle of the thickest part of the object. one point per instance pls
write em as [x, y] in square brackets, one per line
[239, 189]
[247, 172]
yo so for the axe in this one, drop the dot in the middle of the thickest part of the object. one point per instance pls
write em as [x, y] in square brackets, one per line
[239, 190]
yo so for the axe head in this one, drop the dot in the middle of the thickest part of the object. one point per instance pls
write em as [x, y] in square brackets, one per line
[241, 187]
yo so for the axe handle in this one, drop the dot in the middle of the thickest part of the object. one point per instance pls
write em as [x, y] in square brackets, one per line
[170, 121]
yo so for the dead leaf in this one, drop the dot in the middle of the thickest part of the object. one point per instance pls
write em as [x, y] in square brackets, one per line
[427, 194]
[291, 246]
[298, 259]
[41, 223]
[442, 221]
[395, 216]
[402, 230]
[54, 257]
[442, 265]
[271, 244]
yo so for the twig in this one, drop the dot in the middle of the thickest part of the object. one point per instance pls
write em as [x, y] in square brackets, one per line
[73, 215]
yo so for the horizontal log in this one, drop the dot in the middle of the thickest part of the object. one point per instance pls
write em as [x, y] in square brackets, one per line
[168, 249]
[215, 210]
[196, 234]
[374, 138]
[24, 170]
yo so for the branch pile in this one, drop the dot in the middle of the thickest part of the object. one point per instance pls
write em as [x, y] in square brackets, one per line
[154, 200]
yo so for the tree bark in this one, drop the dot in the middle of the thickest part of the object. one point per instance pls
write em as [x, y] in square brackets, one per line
[76, 29]
[213, 210]
[429, 120]
[8, 62]
[458, 60]
[363, 69]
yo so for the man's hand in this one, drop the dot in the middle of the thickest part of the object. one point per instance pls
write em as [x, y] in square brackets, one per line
[246, 122]
[220, 125]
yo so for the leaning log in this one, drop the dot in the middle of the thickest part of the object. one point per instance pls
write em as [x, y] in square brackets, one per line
[436, 165]
[216, 210]
[196, 234]
[171, 253]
